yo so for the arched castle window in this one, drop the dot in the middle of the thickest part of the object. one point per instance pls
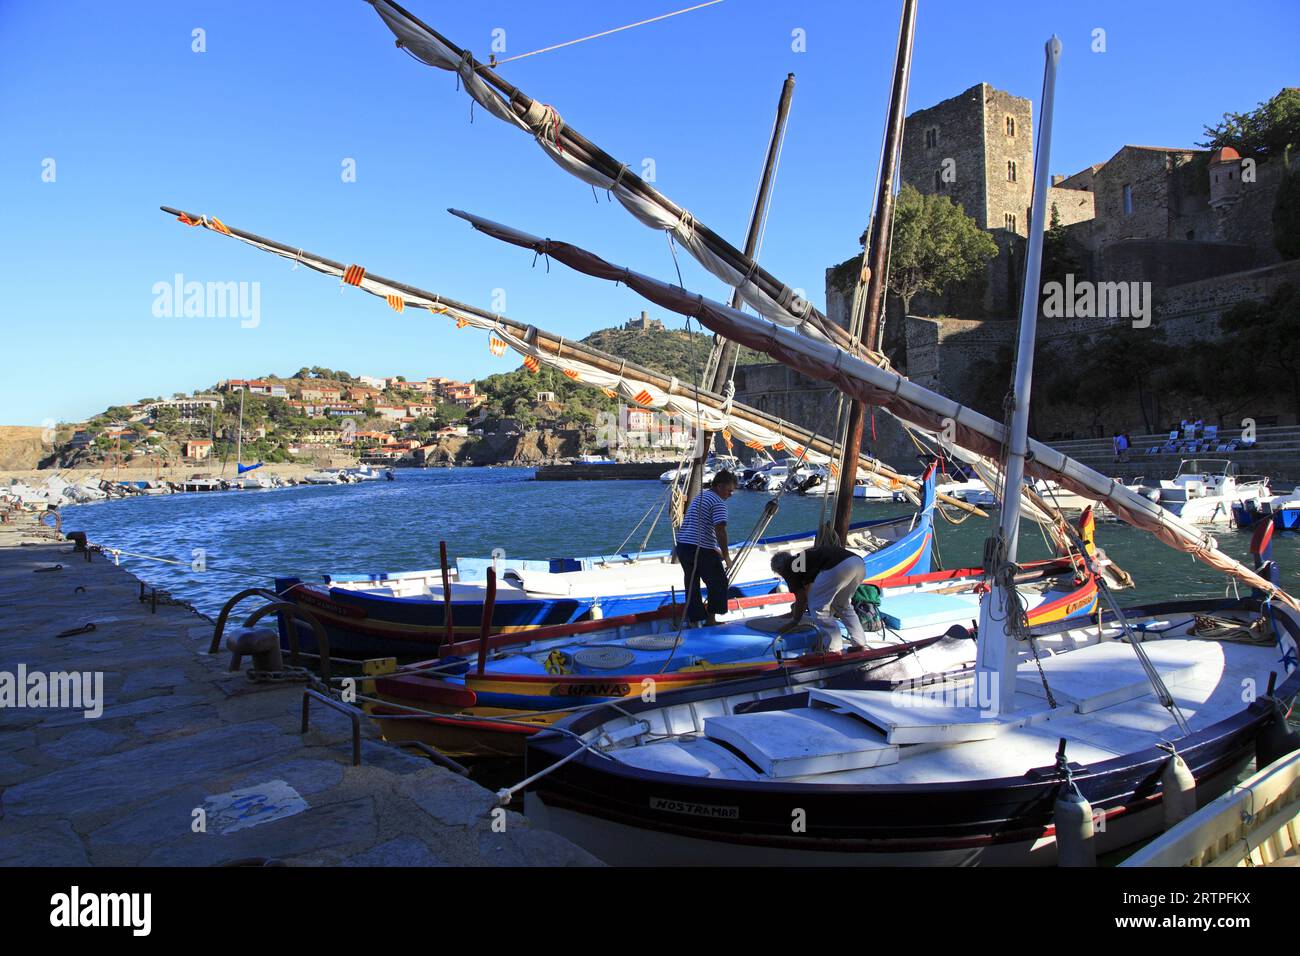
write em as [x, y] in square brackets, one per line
[932, 137]
[1011, 170]
[1011, 126]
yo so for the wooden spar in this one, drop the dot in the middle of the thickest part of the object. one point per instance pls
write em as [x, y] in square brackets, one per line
[725, 349]
[561, 348]
[875, 259]
[485, 628]
[581, 147]
[446, 593]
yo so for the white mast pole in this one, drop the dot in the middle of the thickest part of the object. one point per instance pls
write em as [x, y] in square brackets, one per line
[998, 648]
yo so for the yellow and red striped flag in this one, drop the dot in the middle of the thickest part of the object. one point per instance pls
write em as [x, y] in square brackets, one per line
[572, 374]
[835, 469]
[755, 444]
[395, 302]
[461, 323]
[610, 393]
[496, 346]
[187, 220]
[643, 397]
[531, 363]
[779, 446]
[354, 275]
[220, 226]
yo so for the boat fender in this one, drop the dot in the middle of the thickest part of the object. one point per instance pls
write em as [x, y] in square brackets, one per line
[1178, 787]
[1275, 739]
[1072, 816]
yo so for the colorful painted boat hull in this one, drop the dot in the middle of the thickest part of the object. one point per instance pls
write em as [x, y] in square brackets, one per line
[474, 704]
[364, 624]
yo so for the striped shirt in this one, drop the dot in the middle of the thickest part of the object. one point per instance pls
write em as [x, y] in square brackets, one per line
[708, 509]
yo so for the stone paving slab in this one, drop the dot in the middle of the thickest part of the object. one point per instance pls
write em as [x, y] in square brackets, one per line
[178, 728]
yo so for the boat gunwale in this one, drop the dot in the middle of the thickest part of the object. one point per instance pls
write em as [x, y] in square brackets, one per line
[558, 745]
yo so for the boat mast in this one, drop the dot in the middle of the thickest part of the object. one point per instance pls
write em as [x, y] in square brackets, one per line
[724, 350]
[868, 294]
[999, 611]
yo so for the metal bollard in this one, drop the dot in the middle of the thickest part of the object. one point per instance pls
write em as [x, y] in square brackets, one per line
[261, 644]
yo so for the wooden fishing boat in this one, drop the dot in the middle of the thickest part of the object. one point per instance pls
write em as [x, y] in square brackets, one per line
[469, 711]
[1062, 741]
[1256, 823]
[878, 777]
[405, 615]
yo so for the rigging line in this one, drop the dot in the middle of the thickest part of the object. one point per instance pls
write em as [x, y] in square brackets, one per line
[692, 581]
[494, 62]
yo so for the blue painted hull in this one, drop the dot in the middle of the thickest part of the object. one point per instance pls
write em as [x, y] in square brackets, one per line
[363, 624]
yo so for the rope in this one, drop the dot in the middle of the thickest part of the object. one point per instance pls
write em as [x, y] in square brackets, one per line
[116, 553]
[596, 36]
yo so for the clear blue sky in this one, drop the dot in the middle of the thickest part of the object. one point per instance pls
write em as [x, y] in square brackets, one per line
[254, 131]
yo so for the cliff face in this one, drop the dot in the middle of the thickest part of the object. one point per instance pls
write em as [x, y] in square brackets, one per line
[528, 448]
[21, 447]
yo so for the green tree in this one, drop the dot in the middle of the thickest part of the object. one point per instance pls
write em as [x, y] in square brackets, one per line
[1268, 130]
[1059, 259]
[935, 245]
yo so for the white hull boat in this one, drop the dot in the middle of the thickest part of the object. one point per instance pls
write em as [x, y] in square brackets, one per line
[1204, 490]
[322, 478]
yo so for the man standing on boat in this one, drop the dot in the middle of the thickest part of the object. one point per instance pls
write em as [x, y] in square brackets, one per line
[702, 549]
[823, 580]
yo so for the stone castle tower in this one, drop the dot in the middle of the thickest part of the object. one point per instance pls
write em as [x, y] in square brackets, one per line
[977, 148]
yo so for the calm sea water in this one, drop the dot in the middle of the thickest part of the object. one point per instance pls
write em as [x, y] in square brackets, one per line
[251, 536]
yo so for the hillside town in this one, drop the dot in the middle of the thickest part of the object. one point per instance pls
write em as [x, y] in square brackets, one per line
[318, 415]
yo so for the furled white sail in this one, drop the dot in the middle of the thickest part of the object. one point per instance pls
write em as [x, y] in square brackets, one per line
[577, 156]
[928, 411]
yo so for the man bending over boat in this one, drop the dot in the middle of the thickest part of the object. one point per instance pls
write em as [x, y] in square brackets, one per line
[823, 580]
[702, 549]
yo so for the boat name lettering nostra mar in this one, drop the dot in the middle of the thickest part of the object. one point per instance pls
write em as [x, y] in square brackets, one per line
[1098, 300]
[73, 690]
[208, 300]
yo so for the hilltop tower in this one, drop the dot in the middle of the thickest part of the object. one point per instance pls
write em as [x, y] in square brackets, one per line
[977, 148]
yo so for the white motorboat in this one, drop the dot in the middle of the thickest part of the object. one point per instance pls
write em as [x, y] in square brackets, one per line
[323, 477]
[202, 482]
[712, 465]
[1204, 490]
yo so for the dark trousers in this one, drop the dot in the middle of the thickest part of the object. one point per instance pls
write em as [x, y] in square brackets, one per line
[703, 564]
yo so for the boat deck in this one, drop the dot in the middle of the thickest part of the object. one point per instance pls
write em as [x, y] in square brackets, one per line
[1105, 709]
